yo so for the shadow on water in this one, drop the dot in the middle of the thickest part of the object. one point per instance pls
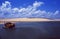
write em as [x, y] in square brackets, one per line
[32, 30]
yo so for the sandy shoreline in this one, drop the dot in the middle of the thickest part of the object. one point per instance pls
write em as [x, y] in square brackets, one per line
[25, 20]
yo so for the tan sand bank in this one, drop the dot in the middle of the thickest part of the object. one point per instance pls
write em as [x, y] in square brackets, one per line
[25, 20]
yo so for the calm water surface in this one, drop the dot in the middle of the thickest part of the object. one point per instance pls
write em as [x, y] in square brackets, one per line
[32, 30]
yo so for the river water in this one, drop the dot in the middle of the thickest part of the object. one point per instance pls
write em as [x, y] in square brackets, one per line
[32, 30]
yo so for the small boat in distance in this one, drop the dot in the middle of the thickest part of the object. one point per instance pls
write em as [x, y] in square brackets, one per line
[9, 25]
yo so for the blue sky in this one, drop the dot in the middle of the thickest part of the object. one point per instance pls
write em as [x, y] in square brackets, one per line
[29, 8]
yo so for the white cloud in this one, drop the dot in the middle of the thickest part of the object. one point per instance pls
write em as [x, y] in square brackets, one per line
[37, 4]
[56, 12]
[6, 5]
[6, 11]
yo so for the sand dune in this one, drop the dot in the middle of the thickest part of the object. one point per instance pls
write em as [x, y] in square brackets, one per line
[25, 20]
